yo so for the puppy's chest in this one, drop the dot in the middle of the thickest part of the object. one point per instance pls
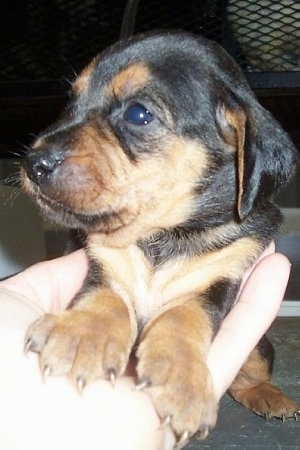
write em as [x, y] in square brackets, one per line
[149, 289]
[146, 288]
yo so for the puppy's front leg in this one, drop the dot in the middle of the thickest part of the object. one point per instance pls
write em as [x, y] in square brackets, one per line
[172, 365]
[91, 340]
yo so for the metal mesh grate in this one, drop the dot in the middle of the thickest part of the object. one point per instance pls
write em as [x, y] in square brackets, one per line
[201, 17]
[51, 40]
[267, 33]
[262, 35]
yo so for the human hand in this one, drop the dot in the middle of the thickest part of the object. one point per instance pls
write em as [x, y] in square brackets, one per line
[259, 301]
[53, 415]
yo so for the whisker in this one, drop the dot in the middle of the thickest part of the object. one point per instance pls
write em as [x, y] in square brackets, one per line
[18, 154]
[12, 179]
[67, 81]
[11, 173]
[14, 195]
[69, 65]
[9, 201]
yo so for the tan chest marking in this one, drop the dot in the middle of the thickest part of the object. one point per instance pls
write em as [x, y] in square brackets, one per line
[148, 291]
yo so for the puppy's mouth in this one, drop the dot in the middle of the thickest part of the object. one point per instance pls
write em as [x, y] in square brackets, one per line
[105, 221]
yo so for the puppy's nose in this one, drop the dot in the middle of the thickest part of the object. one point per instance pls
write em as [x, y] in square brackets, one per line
[40, 165]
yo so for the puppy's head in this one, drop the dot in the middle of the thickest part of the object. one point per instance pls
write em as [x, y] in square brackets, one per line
[161, 127]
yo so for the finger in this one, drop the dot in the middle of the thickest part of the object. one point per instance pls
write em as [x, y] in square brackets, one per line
[51, 284]
[268, 251]
[70, 272]
[249, 319]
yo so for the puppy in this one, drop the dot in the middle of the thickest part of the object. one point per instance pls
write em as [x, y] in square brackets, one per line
[168, 164]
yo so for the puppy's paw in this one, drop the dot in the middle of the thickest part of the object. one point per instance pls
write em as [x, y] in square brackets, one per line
[181, 389]
[80, 344]
[268, 401]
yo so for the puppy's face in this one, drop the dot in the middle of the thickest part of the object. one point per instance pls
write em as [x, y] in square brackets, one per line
[148, 124]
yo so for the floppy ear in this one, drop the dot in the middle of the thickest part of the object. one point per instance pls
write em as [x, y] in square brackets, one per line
[266, 155]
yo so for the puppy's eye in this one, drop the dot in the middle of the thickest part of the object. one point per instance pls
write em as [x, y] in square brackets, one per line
[138, 115]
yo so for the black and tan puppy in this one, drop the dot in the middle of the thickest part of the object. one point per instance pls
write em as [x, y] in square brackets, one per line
[168, 164]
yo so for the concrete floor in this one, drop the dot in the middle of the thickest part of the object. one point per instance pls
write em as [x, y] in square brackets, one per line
[238, 428]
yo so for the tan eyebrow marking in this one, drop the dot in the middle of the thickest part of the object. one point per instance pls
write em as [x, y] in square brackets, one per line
[129, 80]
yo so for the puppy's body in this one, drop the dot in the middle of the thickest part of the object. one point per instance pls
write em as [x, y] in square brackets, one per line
[168, 164]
